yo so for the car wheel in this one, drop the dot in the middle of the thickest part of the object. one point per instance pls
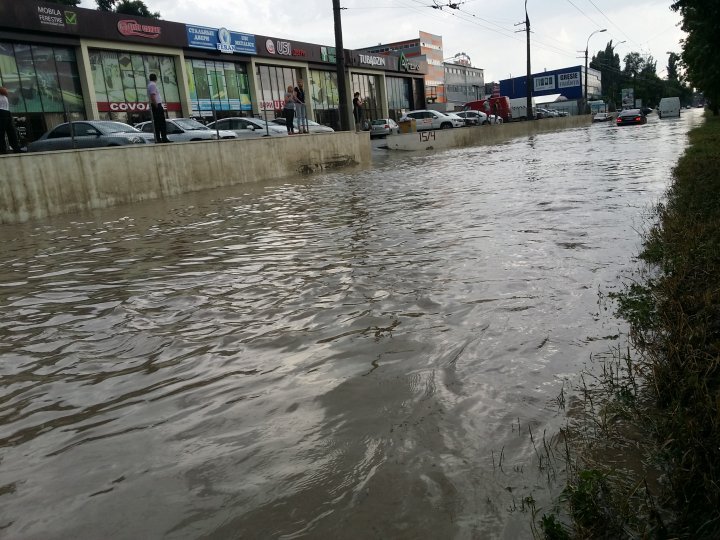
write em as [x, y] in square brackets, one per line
[446, 125]
[195, 140]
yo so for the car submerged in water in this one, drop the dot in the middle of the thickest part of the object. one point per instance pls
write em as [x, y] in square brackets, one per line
[88, 134]
[630, 117]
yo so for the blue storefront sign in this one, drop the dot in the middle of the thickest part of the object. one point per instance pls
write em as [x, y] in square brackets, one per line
[220, 39]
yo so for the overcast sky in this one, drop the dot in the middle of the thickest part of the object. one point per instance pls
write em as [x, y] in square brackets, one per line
[483, 29]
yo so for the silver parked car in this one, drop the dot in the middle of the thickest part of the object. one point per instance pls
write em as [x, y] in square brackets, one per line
[313, 127]
[186, 129]
[249, 128]
[88, 134]
[383, 127]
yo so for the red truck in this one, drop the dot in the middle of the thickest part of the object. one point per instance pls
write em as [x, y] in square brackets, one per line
[498, 105]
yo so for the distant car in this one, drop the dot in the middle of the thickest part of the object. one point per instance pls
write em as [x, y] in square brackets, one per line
[88, 134]
[187, 129]
[249, 128]
[602, 117]
[473, 118]
[427, 119]
[631, 117]
[383, 127]
[542, 113]
[313, 127]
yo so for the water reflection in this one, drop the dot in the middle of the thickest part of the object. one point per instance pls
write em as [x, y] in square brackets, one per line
[348, 352]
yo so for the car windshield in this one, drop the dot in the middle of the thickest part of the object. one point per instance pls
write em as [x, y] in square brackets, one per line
[380, 122]
[189, 124]
[115, 127]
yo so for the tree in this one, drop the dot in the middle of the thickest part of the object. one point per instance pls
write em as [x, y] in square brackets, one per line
[136, 8]
[608, 64]
[71, 3]
[700, 48]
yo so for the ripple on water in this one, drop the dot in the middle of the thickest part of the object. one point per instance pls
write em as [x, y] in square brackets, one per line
[364, 350]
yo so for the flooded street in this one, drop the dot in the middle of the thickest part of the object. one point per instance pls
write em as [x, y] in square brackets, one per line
[361, 354]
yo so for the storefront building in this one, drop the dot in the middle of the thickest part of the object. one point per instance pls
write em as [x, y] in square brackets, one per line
[567, 84]
[60, 63]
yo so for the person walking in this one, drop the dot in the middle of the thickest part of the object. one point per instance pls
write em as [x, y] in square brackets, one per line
[6, 124]
[486, 107]
[300, 111]
[357, 111]
[158, 111]
[289, 110]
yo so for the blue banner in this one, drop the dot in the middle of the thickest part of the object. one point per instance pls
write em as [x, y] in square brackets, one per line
[220, 39]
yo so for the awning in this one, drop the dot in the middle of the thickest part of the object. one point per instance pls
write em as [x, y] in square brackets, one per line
[552, 98]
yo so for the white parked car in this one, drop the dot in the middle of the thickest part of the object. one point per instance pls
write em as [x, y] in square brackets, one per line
[473, 118]
[187, 129]
[313, 127]
[427, 119]
[249, 128]
[457, 121]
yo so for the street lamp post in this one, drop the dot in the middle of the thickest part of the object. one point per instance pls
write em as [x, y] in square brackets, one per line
[585, 99]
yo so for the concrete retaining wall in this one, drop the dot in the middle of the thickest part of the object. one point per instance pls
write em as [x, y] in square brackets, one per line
[34, 186]
[493, 134]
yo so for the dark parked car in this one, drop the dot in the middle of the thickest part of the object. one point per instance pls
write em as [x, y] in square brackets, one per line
[88, 134]
[631, 117]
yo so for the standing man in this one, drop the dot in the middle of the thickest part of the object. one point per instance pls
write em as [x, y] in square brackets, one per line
[357, 111]
[158, 111]
[300, 107]
[486, 107]
[6, 124]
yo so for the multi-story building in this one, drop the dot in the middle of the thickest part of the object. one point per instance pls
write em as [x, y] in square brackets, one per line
[463, 82]
[427, 49]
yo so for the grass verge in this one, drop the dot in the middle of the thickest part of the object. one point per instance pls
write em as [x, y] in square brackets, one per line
[644, 462]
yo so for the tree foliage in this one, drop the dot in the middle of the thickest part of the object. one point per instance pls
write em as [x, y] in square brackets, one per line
[699, 55]
[639, 73]
[137, 8]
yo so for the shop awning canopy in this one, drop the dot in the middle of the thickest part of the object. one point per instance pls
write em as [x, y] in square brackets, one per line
[552, 98]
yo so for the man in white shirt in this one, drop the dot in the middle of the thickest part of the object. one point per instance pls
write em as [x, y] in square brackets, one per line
[158, 111]
[6, 124]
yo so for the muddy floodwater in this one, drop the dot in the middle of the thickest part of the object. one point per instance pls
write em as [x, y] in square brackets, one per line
[361, 354]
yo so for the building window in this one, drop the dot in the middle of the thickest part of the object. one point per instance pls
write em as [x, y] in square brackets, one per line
[399, 96]
[40, 79]
[218, 88]
[323, 94]
[367, 86]
[120, 79]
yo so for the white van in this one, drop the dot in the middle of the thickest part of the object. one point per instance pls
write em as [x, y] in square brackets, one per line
[669, 107]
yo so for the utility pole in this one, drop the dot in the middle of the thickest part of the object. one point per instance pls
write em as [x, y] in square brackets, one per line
[340, 69]
[528, 81]
[528, 78]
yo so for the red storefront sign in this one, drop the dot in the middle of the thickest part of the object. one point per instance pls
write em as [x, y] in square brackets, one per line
[107, 106]
[129, 27]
